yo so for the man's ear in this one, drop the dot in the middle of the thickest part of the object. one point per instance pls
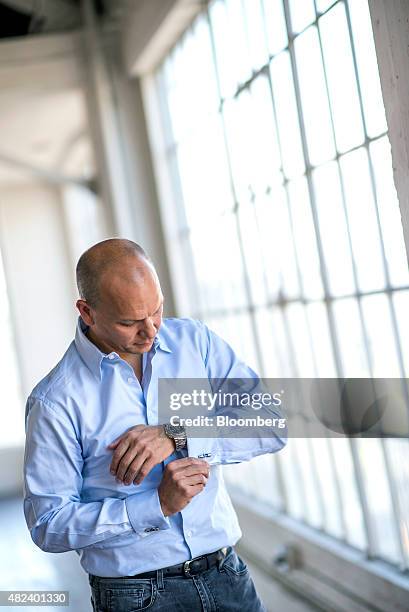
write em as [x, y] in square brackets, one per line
[85, 312]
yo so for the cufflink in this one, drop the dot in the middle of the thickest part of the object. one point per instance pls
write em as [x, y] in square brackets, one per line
[150, 529]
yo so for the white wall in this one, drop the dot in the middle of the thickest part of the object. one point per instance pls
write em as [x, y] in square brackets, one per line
[39, 277]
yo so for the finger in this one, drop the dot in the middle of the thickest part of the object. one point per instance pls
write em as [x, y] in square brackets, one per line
[125, 462]
[118, 454]
[194, 480]
[133, 469]
[195, 489]
[144, 471]
[192, 470]
[115, 443]
[178, 464]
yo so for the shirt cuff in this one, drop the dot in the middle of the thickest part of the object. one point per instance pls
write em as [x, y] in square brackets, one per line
[203, 448]
[145, 513]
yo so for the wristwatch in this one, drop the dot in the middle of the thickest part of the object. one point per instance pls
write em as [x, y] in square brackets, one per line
[176, 433]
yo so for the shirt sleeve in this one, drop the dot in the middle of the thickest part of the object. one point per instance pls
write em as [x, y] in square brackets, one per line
[222, 364]
[57, 518]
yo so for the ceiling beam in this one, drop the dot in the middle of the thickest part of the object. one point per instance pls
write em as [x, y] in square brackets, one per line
[52, 177]
[151, 27]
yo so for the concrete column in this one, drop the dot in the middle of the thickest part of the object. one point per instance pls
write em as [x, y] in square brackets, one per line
[390, 22]
[125, 174]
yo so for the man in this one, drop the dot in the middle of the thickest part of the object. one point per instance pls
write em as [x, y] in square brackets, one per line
[149, 517]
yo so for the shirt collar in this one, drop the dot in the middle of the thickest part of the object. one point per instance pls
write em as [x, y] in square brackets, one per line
[160, 341]
[93, 357]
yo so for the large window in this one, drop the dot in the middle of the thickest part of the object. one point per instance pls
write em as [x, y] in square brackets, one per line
[285, 214]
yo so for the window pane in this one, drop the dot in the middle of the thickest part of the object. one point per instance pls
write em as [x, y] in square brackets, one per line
[275, 25]
[382, 348]
[276, 238]
[323, 349]
[263, 152]
[351, 506]
[313, 514]
[269, 249]
[220, 277]
[193, 91]
[323, 5]
[302, 14]
[252, 253]
[379, 498]
[389, 212]
[350, 339]
[314, 98]
[238, 119]
[401, 304]
[341, 79]
[362, 220]
[333, 229]
[239, 333]
[398, 453]
[204, 173]
[290, 461]
[257, 478]
[301, 340]
[189, 297]
[367, 67]
[287, 115]
[305, 239]
[276, 353]
[252, 139]
[232, 52]
[332, 518]
[204, 82]
[205, 267]
[256, 34]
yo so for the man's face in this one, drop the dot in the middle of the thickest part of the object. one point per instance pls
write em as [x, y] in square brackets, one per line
[129, 311]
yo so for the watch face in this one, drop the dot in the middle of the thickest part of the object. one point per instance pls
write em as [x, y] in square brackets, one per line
[176, 430]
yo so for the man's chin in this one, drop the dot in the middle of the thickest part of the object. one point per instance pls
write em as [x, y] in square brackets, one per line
[140, 348]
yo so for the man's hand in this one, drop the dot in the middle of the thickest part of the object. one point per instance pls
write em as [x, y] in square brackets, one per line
[138, 451]
[182, 479]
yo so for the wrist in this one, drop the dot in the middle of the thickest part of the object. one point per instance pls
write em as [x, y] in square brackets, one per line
[177, 433]
[165, 510]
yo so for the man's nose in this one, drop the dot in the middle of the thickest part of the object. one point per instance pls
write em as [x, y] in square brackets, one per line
[148, 330]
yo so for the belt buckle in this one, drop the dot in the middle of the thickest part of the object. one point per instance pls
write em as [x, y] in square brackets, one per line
[186, 568]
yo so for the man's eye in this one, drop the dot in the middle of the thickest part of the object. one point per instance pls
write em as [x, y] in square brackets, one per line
[126, 324]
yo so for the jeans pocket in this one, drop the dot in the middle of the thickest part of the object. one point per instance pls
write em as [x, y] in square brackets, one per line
[139, 595]
[234, 564]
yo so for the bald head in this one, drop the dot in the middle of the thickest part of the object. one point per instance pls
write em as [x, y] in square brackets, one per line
[115, 256]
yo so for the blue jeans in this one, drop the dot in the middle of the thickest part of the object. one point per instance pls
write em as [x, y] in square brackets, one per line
[226, 587]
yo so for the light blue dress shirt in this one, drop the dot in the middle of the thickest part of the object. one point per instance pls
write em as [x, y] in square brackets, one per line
[73, 502]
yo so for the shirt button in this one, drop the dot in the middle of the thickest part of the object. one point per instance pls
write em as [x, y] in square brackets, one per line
[189, 533]
[111, 356]
[130, 380]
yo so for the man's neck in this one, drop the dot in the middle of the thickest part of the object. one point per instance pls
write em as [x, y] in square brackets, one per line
[134, 360]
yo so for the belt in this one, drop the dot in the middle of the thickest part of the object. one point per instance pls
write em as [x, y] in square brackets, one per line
[188, 568]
